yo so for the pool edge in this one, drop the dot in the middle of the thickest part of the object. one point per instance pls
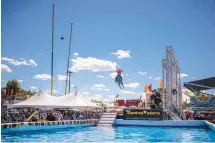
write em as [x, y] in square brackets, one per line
[210, 125]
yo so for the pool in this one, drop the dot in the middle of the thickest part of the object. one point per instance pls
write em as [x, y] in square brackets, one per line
[114, 134]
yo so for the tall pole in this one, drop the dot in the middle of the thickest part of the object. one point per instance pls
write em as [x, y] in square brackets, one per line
[68, 60]
[52, 55]
[69, 80]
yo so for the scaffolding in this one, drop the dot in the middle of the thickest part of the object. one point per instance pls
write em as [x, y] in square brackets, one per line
[172, 94]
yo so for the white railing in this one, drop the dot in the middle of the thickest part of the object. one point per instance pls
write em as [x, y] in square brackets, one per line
[45, 123]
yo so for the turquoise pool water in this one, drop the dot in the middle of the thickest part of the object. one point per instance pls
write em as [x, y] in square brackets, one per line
[114, 134]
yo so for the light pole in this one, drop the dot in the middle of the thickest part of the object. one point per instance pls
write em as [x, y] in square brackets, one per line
[68, 58]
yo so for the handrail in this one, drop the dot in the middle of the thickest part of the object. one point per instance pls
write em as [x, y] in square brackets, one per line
[49, 122]
[35, 112]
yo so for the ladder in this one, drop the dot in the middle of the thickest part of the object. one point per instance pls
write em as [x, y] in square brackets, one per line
[107, 119]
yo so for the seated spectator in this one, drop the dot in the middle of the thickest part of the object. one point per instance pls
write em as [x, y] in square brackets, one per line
[50, 117]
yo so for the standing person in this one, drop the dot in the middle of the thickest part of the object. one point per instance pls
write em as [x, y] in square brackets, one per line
[191, 117]
[187, 114]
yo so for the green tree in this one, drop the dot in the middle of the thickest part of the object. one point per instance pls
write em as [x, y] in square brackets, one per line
[13, 85]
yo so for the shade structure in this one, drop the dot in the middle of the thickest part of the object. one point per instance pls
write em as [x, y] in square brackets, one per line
[203, 84]
[43, 100]
[39, 100]
[75, 101]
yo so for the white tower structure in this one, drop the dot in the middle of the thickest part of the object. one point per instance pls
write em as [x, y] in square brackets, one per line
[172, 94]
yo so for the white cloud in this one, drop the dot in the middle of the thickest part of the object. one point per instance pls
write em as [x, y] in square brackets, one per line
[85, 93]
[108, 98]
[122, 54]
[183, 75]
[43, 76]
[132, 85]
[49, 91]
[157, 78]
[114, 74]
[92, 64]
[194, 77]
[29, 77]
[20, 80]
[96, 97]
[34, 88]
[22, 61]
[31, 61]
[75, 54]
[100, 76]
[72, 70]
[128, 92]
[150, 77]
[142, 73]
[55, 91]
[61, 77]
[99, 87]
[5, 68]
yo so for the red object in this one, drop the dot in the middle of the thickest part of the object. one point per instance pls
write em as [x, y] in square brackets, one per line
[121, 102]
[119, 70]
[150, 88]
[130, 103]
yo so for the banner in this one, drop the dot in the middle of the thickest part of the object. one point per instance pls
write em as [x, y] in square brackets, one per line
[150, 88]
[202, 101]
[148, 101]
[145, 89]
[142, 114]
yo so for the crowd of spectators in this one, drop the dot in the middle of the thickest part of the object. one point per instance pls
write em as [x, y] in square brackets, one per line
[22, 114]
[209, 116]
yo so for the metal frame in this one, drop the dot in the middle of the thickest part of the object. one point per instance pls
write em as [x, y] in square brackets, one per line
[171, 80]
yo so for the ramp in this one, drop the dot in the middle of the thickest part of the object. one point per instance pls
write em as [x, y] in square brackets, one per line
[107, 119]
[173, 115]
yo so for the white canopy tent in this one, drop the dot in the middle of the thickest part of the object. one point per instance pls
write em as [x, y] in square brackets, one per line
[43, 100]
[39, 100]
[75, 101]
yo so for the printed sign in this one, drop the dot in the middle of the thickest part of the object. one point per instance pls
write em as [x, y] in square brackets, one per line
[202, 101]
[142, 114]
[148, 101]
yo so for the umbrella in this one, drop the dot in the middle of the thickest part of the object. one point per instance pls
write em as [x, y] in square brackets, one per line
[119, 70]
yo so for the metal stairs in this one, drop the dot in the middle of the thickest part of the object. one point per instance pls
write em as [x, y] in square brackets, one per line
[107, 119]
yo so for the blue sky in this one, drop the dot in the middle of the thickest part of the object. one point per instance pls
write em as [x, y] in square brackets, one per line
[140, 29]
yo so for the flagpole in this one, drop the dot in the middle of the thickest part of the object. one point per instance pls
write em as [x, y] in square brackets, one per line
[67, 73]
[52, 53]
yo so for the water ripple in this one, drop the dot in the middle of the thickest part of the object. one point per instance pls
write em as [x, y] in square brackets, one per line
[114, 134]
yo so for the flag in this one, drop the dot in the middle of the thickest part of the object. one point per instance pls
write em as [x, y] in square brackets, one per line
[150, 88]
[117, 96]
[145, 89]
[161, 84]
